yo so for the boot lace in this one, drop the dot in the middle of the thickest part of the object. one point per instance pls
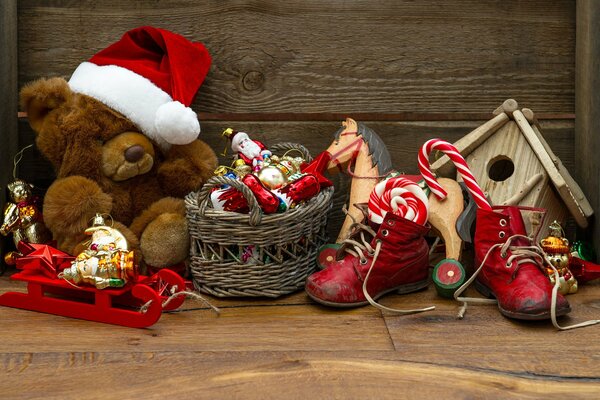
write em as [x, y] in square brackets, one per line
[358, 249]
[521, 255]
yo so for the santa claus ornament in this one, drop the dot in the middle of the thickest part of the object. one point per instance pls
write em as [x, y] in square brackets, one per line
[252, 152]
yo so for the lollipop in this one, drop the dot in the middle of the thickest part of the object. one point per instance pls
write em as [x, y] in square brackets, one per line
[400, 196]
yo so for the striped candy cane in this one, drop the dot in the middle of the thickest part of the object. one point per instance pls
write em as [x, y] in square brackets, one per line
[461, 166]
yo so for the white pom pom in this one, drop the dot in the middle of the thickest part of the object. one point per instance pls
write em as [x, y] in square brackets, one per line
[176, 123]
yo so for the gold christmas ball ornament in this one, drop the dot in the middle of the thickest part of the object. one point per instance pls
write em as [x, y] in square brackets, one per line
[272, 177]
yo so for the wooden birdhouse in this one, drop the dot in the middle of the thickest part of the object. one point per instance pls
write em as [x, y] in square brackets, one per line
[515, 166]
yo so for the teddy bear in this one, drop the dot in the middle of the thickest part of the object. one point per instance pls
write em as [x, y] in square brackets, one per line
[123, 142]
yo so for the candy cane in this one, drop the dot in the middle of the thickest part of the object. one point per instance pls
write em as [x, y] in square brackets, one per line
[461, 166]
[399, 196]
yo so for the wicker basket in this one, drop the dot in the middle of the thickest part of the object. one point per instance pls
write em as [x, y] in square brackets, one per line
[281, 247]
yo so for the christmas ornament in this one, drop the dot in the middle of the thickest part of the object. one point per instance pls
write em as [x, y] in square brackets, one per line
[252, 152]
[272, 177]
[229, 199]
[22, 216]
[267, 200]
[300, 189]
[318, 166]
[558, 251]
[461, 166]
[240, 168]
[106, 262]
[399, 196]
[42, 259]
[583, 250]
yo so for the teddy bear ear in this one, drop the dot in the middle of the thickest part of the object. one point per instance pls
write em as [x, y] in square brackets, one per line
[40, 97]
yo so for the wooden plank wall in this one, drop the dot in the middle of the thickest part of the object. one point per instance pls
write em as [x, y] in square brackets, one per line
[8, 88]
[291, 70]
[587, 142]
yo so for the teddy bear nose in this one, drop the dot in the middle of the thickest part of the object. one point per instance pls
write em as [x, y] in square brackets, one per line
[134, 153]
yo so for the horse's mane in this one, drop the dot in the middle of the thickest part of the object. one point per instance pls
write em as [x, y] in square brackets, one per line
[380, 157]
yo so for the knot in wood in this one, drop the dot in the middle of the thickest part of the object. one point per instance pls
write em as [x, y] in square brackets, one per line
[253, 81]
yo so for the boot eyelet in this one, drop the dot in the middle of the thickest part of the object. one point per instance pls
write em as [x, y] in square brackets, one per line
[364, 262]
[503, 255]
[502, 222]
[501, 234]
[391, 222]
[385, 232]
[508, 265]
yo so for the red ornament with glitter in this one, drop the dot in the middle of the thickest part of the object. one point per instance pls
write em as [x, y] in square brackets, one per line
[301, 189]
[267, 200]
[229, 199]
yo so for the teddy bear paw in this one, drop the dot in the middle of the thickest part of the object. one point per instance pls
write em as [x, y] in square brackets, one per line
[165, 241]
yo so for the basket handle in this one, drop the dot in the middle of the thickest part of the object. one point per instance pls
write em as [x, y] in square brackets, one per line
[255, 215]
[287, 146]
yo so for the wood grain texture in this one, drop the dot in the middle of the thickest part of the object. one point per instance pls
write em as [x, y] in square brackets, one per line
[486, 339]
[270, 375]
[311, 56]
[8, 88]
[587, 142]
[303, 350]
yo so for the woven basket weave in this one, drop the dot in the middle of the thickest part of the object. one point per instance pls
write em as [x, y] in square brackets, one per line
[283, 246]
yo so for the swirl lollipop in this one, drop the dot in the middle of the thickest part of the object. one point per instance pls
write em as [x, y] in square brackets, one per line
[400, 196]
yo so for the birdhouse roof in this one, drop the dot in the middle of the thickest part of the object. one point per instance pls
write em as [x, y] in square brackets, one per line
[569, 191]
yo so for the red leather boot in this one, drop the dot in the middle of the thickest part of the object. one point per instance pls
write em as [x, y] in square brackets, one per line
[511, 266]
[370, 264]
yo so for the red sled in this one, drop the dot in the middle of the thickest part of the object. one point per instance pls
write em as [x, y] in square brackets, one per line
[118, 306]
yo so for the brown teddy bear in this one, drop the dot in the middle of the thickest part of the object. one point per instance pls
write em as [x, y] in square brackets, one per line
[123, 142]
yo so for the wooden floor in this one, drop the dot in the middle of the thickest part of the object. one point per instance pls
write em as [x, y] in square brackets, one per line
[291, 348]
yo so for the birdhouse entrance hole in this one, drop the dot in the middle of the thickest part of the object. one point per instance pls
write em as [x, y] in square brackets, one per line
[501, 168]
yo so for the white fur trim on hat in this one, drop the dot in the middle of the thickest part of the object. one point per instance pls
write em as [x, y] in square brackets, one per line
[137, 98]
[177, 123]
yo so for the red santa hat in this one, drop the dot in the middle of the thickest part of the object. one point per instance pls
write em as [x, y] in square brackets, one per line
[151, 76]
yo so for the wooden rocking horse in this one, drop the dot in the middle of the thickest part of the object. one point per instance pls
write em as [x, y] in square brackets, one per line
[358, 146]
[358, 151]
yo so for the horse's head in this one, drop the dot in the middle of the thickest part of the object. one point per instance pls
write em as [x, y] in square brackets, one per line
[345, 146]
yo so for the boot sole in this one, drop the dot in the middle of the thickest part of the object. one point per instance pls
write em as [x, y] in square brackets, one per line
[485, 291]
[402, 289]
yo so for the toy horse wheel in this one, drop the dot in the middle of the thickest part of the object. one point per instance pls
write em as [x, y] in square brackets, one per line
[326, 255]
[448, 275]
